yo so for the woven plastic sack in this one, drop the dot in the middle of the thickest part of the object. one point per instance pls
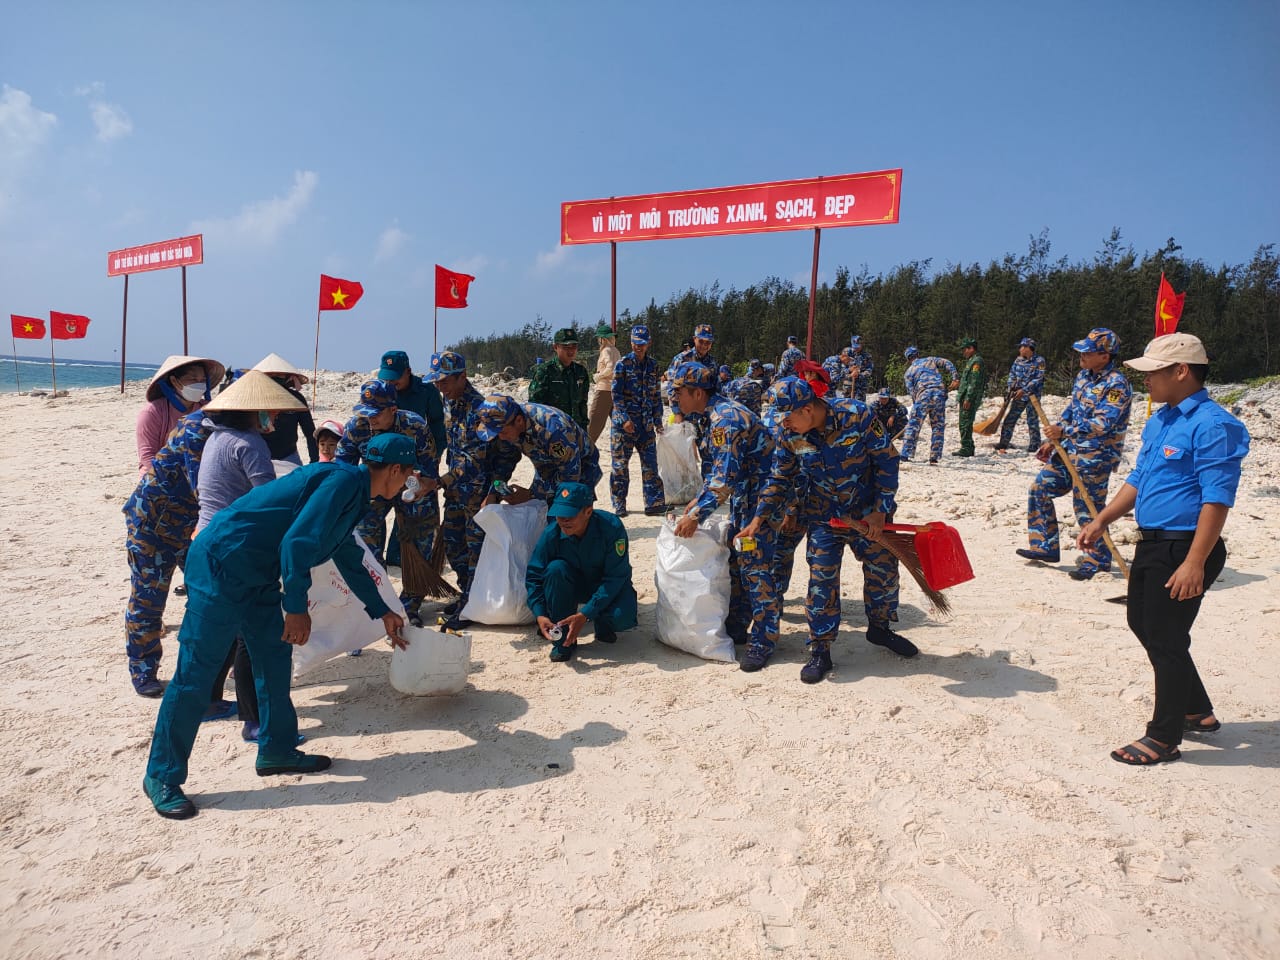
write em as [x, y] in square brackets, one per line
[692, 574]
[678, 463]
[498, 594]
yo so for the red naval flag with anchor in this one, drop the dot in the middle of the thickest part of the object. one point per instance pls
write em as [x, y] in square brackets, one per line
[1168, 308]
[338, 294]
[67, 326]
[27, 328]
[451, 287]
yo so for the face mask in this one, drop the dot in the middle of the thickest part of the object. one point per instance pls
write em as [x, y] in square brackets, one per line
[191, 392]
[264, 422]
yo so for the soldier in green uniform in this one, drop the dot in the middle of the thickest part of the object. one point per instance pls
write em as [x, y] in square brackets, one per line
[973, 386]
[563, 383]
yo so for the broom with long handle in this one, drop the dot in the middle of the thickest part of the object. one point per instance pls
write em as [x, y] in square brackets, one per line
[423, 577]
[902, 544]
[1080, 488]
[988, 428]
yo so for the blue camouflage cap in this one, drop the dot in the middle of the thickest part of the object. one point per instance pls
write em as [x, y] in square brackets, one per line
[1027, 342]
[694, 375]
[394, 364]
[885, 394]
[703, 331]
[570, 500]
[755, 364]
[725, 371]
[375, 396]
[494, 414]
[640, 334]
[444, 365]
[1099, 340]
[911, 353]
[391, 448]
[768, 368]
[792, 339]
[790, 393]
[855, 342]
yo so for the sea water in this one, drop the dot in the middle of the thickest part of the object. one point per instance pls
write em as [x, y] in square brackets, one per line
[36, 373]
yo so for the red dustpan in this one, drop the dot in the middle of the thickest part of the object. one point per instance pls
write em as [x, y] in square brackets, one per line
[942, 558]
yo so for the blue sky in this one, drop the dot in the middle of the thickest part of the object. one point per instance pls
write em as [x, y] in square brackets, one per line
[372, 141]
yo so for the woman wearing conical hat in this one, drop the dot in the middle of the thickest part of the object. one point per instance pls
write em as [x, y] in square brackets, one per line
[283, 440]
[180, 386]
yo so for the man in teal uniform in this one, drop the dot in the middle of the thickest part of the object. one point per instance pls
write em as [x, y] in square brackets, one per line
[581, 559]
[271, 536]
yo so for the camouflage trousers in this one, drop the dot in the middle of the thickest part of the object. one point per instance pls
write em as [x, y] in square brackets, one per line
[934, 406]
[462, 535]
[784, 557]
[621, 445]
[753, 600]
[1042, 519]
[1016, 407]
[419, 522]
[879, 580]
[158, 533]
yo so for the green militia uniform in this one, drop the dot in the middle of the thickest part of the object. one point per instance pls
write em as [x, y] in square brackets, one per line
[564, 388]
[973, 387]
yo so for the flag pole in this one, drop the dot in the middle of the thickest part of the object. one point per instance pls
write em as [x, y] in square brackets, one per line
[124, 330]
[16, 378]
[813, 288]
[435, 331]
[53, 364]
[315, 369]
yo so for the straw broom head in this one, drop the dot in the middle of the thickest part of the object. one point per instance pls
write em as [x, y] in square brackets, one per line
[422, 577]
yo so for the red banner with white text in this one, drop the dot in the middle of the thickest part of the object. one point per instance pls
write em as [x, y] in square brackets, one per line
[848, 200]
[182, 252]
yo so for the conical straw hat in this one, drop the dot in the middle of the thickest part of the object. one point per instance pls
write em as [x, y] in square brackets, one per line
[255, 391]
[273, 363]
[213, 369]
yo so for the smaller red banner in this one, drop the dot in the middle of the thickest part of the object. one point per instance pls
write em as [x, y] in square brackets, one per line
[67, 326]
[27, 328]
[1168, 308]
[182, 252]
[451, 287]
[338, 294]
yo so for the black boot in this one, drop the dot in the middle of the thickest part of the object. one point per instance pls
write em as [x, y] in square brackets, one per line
[819, 664]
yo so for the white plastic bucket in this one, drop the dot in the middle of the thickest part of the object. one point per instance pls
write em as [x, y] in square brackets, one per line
[434, 665]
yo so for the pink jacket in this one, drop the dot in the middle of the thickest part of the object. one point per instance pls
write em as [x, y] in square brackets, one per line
[155, 421]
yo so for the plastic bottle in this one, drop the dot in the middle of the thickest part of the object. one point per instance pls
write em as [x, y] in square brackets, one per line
[411, 488]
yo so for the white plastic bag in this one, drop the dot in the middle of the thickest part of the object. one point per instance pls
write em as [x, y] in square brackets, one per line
[498, 594]
[678, 463]
[692, 574]
[339, 621]
[433, 665]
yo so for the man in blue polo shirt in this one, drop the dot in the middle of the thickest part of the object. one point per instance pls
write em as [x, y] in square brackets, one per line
[1181, 489]
[580, 559]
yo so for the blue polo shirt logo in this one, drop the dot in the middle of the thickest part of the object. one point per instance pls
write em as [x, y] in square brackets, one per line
[1171, 452]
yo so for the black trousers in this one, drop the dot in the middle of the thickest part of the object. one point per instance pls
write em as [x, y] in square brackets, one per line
[246, 692]
[1163, 626]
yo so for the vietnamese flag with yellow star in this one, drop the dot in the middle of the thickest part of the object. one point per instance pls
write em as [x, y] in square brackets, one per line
[338, 294]
[1168, 308]
[27, 328]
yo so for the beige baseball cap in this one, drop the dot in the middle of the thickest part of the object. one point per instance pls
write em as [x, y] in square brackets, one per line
[1168, 350]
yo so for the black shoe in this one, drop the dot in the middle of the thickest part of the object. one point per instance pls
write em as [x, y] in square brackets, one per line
[561, 653]
[606, 634]
[882, 636]
[1037, 555]
[1002, 445]
[168, 799]
[1086, 573]
[146, 684]
[620, 513]
[451, 608]
[180, 590]
[1034, 448]
[298, 762]
[756, 657]
[962, 453]
[933, 460]
[819, 666]
[656, 510]
[455, 622]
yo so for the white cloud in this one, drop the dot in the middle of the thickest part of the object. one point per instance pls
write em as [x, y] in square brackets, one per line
[561, 257]
[23, 128]
[473, 265]
[551, 260]
[262, 222]
[94, 89]
[390, 243]
[111, 121]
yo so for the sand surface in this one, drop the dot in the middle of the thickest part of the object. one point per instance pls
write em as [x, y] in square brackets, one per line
[639, 802]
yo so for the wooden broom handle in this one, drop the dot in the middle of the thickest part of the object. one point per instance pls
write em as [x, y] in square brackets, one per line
[1080, 487]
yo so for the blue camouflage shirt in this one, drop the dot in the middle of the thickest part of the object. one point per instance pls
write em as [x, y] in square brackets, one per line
[925, 375]
[636, 396]
[739, 449]
[687, 356]
[850, 466]
[1027, 375]
[559, 449]
[175, 469]
[1096, 419]
[866, 368]
[787, 363]
[358, 432]
[747, 392]
[474, 463]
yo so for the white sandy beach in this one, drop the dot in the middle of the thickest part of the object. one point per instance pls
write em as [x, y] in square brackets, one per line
[638, 802]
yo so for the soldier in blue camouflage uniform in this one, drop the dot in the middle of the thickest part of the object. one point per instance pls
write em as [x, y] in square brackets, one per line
[700, 352]
[861, 368]
[559, 449]
[851, 466]
[740, 450]
[473, 466]
[636, 420]
[418, 520]
[160, 518]
[890, 412]
[790, 357]
[1026, 380]
[837, 375]
[927, 381]
[1091, 430]
[766, 381]
[746, 391]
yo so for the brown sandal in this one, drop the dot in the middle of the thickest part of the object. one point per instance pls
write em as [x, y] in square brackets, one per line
[1139, 758]
[1196, 723]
